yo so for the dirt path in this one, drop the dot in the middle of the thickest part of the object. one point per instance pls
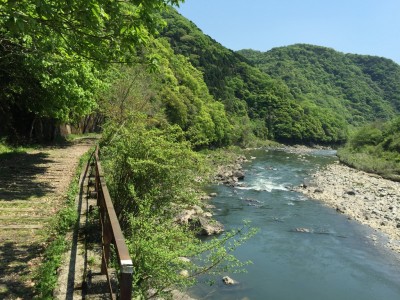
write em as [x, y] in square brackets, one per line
[33, 186]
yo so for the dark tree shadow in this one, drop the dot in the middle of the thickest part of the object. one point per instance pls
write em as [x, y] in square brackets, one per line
[17, 174]
[14, 269]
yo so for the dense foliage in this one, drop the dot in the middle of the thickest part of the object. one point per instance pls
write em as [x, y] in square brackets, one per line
[174, 92]
[360, 88]
[152, 172]
[375, 148]
[51, 53]
[246, 92]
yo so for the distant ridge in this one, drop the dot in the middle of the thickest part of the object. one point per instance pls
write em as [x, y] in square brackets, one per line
[363, 87]
[295, 94]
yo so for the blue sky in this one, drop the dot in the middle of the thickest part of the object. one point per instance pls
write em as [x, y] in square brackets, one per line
[351, 26]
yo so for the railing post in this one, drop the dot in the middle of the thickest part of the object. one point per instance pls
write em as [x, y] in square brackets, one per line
[126, 279]
[107, 238]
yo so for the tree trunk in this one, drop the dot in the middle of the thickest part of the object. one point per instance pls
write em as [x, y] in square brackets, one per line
[31, 130]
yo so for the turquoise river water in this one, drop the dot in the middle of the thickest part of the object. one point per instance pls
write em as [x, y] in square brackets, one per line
[336, 261]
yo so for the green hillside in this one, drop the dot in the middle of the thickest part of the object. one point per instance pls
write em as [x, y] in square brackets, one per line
[270, 102]
[362, 88]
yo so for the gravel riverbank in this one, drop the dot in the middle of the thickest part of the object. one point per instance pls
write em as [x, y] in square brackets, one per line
[364, 197]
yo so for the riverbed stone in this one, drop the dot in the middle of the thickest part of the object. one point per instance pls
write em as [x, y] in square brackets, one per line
[228, 281]
[302, 229]
[351, 192]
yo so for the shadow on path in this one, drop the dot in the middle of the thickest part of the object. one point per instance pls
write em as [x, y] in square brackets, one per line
[18, 174]
[14, 273]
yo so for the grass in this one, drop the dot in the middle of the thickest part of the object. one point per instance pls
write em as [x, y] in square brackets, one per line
[7, 149]
[73, 137]
[383, 163]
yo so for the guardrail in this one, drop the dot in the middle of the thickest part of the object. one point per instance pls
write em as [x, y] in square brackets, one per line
[112, 234]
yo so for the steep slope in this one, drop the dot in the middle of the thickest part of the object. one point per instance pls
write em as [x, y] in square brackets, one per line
[383, 72]
[362, 88]
[228, 75]
[246, 92]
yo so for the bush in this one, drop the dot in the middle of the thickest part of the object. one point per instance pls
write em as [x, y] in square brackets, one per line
[375, 150]
[151, 174]
[368, 135]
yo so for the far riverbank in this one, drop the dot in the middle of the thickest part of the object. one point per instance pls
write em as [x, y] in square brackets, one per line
[367, 198]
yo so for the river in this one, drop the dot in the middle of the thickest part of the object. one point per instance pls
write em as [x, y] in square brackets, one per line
[335, 260]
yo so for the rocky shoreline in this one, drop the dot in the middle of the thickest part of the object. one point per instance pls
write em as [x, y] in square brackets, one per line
[366, 198]
[231, 174]
[200, 219]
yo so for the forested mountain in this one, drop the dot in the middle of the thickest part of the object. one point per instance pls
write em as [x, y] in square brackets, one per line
[363, 88]
[310, 93]
[271, 103]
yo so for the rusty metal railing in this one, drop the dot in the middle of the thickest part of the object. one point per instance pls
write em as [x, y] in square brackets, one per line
[112, 234]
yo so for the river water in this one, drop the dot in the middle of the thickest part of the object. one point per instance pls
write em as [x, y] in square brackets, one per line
[336, 260]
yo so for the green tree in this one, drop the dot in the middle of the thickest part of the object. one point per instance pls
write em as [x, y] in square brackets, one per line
[98, 29]
[53, 55]
[375, 148]
[367, 135]
[151, 176]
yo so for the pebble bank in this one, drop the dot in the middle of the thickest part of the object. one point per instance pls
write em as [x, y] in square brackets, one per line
[367, 198]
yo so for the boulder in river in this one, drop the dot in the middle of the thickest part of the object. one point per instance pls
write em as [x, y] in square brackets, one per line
[302, 229]
[228, 281]
[239, 174]
[200, 221]
[208, 226]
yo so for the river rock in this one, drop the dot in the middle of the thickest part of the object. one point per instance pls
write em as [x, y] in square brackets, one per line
[231, 174]
[198, 209]
[228, 281]
[199, 221]
[239, 174]
[185, 216]
[340, 209]
[207, 214]
[301, 229]
[205, 197]
[208, 226]
[184, 273]
[184, 259]
[350, 192]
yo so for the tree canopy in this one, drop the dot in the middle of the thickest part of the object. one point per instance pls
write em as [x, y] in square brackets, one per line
[53, 54]
[268, 103]
[96, 29]
[375, 148]
[362, 88]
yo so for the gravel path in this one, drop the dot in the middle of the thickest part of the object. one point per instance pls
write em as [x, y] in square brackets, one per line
[364, 197]
[33, 186]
